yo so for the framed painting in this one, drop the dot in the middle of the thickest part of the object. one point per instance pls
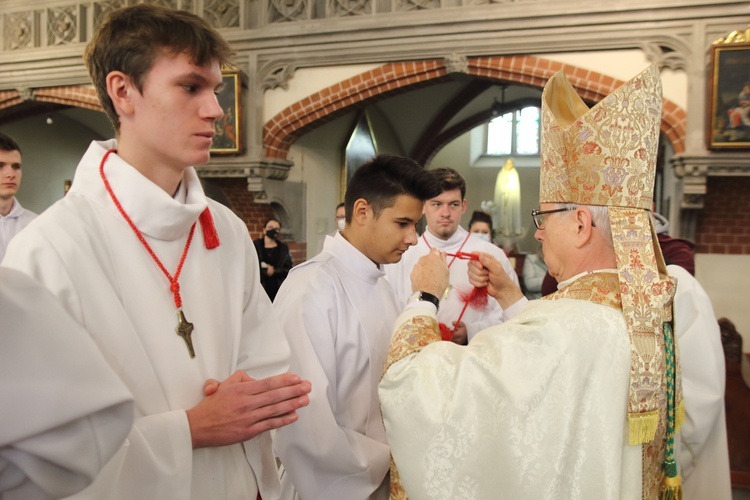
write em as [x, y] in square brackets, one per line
[729, 96]
[228, 128]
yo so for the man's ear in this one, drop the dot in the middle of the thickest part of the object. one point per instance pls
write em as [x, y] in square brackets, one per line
[360, 211]
[585, 223]
[120, 89]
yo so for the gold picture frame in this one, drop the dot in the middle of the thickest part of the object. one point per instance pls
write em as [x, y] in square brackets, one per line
[228, 128]
[729, 97]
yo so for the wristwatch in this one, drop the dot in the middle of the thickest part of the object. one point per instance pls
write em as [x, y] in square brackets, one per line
[416, 296]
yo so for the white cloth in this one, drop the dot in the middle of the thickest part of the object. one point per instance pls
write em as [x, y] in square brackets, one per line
[64, 411]
[702, 453]
[450, 308]
[534, 271]
[17, 219]
[532, 409]
[337, 310]
[85, 253]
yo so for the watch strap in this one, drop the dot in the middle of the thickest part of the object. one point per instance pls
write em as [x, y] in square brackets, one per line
[428, 297]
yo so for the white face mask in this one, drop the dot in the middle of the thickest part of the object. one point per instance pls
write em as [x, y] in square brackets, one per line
[341, 224]
[482, 236]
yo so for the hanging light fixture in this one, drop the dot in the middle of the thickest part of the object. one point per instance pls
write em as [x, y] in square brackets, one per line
[498, 106]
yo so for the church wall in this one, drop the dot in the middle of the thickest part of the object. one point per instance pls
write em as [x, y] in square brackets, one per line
[619, 64]
[307, 81]
[318, 159]
[725, 279]
[724, 223]
[386, 139]
[254, 214]
[723, 248]
[624, 65]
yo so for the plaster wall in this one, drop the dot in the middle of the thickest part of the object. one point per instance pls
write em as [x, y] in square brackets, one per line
[624, 65]
[724, 277]
[317, 158]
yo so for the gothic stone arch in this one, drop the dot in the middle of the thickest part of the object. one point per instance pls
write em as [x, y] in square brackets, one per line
[282, 130]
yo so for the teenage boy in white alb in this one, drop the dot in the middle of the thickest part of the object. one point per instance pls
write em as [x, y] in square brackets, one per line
[165, 280]
[337, 310]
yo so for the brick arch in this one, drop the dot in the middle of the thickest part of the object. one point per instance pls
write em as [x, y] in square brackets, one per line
[80, 96]
[282, 130]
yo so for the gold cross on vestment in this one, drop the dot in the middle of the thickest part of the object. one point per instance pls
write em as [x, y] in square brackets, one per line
[185, 329]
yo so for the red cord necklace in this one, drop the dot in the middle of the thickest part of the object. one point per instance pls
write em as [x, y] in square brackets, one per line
[458, 252]
[184, 328]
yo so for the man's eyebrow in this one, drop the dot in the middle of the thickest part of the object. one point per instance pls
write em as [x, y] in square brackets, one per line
[405, 219]
[193, 75]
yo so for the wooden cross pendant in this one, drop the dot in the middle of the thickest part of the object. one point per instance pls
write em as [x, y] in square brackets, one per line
[184, 329]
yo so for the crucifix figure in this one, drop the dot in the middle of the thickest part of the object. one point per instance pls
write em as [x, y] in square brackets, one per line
[184, 329]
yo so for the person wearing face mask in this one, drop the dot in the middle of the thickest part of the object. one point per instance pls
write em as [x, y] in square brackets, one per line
[340, 217]
[275, 259]
[480, 226]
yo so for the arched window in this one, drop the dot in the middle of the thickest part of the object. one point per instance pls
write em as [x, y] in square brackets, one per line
[515, 133]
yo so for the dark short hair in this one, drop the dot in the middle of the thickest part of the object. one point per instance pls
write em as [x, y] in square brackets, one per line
[449, 180]
[340, 205]
[479, 216]
[8, 144]
[271, 219]
[381, 180]
[130, 39]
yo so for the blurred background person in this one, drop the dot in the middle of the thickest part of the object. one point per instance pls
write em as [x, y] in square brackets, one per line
[340, 217]
[275, 259]
[13, 217]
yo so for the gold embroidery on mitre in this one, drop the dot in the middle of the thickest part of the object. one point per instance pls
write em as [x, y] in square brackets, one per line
[605, 155]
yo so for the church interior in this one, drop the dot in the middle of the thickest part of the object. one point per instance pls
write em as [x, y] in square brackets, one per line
[318, 85]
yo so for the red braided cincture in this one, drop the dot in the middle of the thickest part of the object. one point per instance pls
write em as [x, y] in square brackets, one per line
[464, 255]
[174, 284]
[445, 332]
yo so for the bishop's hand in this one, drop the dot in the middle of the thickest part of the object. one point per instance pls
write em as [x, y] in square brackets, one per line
[430, 274]
[487, 271]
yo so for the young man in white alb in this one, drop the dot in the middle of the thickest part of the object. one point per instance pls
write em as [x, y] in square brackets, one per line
[337, 310]
[164, 279]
